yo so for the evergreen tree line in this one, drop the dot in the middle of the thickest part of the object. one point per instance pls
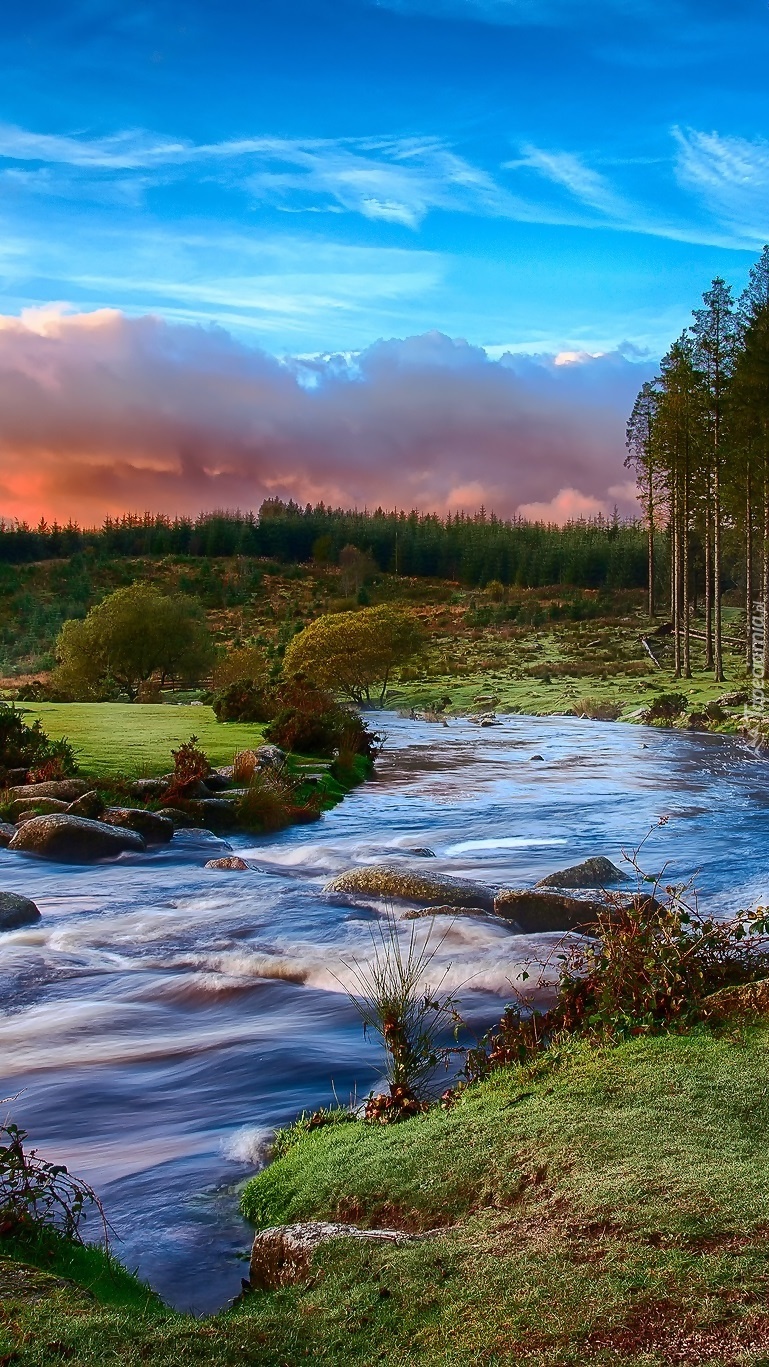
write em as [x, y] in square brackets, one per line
[698, 442]
[473, 550]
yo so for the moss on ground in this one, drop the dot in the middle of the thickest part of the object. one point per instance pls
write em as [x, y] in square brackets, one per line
[609, 1209]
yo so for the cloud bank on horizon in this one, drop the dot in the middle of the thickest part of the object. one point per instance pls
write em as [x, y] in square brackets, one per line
[100, 413]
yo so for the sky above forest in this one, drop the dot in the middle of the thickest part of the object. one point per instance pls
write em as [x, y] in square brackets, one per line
[399, 251]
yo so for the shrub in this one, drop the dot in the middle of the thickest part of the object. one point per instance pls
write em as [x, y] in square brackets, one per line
[648, 967]
[408, 1017]
[597, 709]
[665, 708]
[191, 766]
[28, 747]
[36, 1195]
[309, 721]
[243, 701]
[271, 803]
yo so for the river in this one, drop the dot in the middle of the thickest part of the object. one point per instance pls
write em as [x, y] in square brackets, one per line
[161, 1019]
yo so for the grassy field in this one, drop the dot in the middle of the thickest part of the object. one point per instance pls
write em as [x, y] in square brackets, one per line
[610, 1209]
[136, 739]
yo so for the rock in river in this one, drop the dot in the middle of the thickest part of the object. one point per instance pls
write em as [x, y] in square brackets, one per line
[597, 872]
[156, 829]
[16, 911]
[403, 885]
[7, 832]
[74, 839]
[535, 912]
[230, 861]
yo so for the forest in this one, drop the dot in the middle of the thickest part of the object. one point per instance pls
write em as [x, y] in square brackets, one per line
[698, 443]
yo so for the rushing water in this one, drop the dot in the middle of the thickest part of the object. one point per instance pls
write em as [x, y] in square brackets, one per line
[161, 1019]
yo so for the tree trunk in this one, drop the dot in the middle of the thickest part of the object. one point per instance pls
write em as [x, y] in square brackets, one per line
[708, 585]
[765, 584]
[718, 660]
[685, 580]
[676, 588]
[748, 572]
[650, 518]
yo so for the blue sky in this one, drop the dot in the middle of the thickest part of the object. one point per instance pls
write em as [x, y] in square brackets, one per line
[542, 175]
[211, 216]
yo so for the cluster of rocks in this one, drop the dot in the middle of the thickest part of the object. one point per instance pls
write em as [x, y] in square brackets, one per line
[550, 906]
[69, 821]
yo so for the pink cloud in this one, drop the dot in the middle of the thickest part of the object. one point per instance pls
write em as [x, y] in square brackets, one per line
[101, 413]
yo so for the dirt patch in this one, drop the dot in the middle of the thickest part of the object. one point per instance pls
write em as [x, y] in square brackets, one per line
[22, 1282]
[679, 1340]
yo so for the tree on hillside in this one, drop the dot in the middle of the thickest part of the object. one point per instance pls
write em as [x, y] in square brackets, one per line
[354, 652]
[715, 335]
[134, 635]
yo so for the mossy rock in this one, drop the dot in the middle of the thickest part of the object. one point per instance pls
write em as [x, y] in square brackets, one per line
[596, 872]
[404, 885]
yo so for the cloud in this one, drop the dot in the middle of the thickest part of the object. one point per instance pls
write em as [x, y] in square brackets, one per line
[572, 174]
[100, 413]
[528, 13]
[730, 175]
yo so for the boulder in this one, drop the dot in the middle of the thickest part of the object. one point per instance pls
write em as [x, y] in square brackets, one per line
[596, 872]
[748, 1001]
[156, 829]
[7, 832]
[536, 912]
[217, 812]
[16, 911]
[270, 756]
[43, 806]
[176, 816]
[74, 839]
[147, 788]
[283, 1254]
[65, 788]
[216, 782]
[91, 804]
[441, 911]
[404, 885]
[231, 861]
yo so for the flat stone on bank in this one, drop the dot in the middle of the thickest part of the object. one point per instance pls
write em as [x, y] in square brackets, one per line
[74, 839]
[16, 911]
[404, 885]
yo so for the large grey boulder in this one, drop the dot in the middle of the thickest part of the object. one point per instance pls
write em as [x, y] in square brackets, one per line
[156, 829]
[74, 839]
[404, 885]
[282, 1255]
[91, 804]
[270, 756]
[537, 912]
[16, 911]
[65, 788]
[597, 872]
[42, 805]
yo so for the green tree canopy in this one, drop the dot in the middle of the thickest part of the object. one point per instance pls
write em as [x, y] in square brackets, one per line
[354, 653]
[134, 635]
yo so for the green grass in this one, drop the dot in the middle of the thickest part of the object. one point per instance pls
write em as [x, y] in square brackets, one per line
[136, 739]
[610, 1209]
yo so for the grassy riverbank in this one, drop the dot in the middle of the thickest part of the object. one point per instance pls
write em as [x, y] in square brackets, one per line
[610, 1209]
[135, 740]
